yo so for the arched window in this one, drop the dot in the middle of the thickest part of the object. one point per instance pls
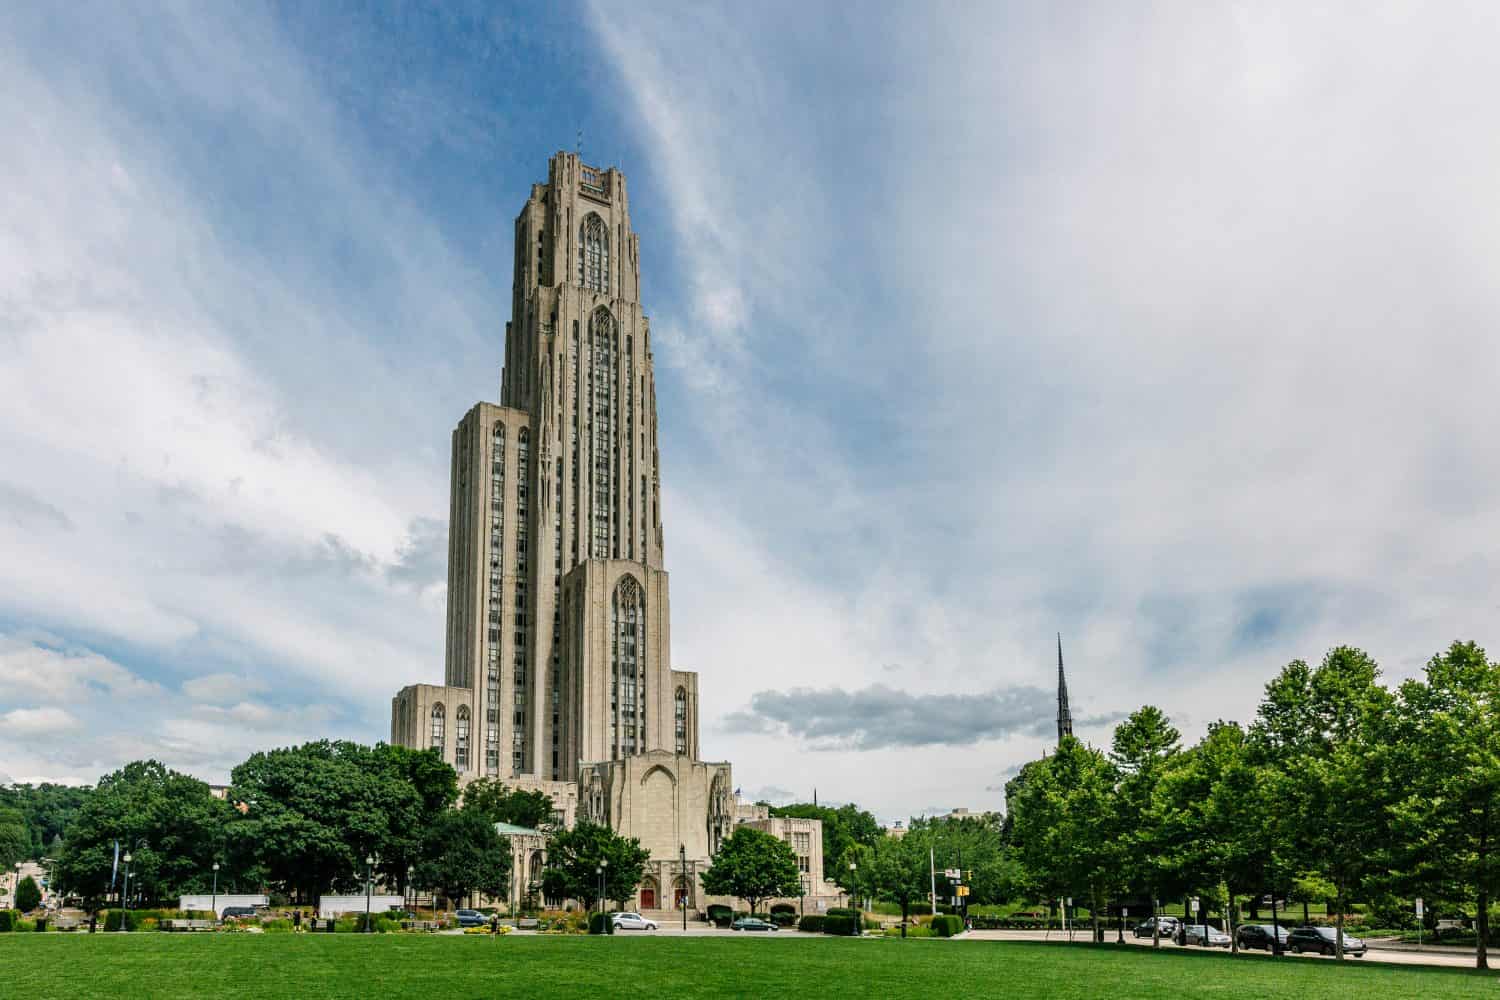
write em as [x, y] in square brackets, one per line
[461, 739]
[628, 667]
[437, 727]
[680, 721]
[593, 254]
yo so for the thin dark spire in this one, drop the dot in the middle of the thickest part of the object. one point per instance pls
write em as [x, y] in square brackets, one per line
[1064, 716]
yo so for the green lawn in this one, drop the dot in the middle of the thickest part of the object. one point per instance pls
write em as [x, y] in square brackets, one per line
[446, 968]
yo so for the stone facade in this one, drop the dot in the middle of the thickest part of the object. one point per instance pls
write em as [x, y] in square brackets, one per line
[558, 656]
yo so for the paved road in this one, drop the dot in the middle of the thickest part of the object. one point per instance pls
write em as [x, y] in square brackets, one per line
[1399, 957]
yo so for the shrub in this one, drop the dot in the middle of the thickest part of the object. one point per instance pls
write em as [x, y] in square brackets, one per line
[783, 919]
[783, 908]
[812, 923]
[136, 920]
[25, 926]
[841, 911]
[7, 921]
[947, 925]
[600, 923]
[839, 924]
[28, 895]
[717, 910]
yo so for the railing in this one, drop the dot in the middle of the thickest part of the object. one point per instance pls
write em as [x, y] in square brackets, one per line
[594, 181]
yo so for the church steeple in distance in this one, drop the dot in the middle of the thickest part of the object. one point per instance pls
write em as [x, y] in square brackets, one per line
[1064, 717]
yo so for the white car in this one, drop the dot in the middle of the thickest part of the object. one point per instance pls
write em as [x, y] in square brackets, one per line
[632, 922]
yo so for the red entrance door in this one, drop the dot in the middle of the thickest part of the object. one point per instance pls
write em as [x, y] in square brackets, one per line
[648, 899]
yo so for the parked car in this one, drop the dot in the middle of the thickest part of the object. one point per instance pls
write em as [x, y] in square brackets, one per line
[1259, 936]
[751, 924]
[237, 912]
[1323, 940]
[1206, 935]
[632, 922]
[471, 918]
[1168, 927]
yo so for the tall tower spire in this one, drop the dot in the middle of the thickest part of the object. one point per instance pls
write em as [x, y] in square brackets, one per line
[1064, 717]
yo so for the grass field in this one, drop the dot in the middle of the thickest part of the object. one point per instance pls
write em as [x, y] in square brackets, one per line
[445, 968]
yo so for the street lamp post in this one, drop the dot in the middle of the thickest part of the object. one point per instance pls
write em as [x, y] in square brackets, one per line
[411, 872]
[214, 904]
[682, 873]
[369, 887]
[125, 895]
[858, 920]
[15, 889]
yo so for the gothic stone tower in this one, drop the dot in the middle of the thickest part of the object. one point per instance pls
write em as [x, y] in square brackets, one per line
[558, 631]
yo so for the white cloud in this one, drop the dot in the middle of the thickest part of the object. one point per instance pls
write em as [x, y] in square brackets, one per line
[221, 688]
[35, 722]
[34, 670]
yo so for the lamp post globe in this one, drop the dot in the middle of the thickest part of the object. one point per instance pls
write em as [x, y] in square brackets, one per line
[125, 895]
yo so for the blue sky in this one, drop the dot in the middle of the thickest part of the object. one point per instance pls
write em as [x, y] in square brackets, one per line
[1168, 329]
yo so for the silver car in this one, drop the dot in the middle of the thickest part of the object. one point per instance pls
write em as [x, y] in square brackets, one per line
[632, 922]
[1196, 933]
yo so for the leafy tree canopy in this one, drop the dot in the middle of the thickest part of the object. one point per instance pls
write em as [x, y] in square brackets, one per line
[754, 866]
[574, 858]
[502, 804]
[28, 895]
[462, 854]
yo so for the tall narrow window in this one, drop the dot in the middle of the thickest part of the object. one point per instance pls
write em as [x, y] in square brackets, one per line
[438, 716]
[593, 254]
[523, 620]
[461, 738]
[680, 720]
[603, 409]
[627, 680]
[497, 595]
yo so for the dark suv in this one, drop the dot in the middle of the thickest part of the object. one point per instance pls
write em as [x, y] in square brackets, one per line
[1168, 927]
[1321, 940]
[1259, 936]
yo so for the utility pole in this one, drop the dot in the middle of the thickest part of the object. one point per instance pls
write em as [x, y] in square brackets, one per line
[932, 873]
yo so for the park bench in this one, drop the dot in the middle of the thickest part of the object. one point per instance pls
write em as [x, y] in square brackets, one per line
[1449, 927]
[315, 924]
[175, 924]
[421, 925]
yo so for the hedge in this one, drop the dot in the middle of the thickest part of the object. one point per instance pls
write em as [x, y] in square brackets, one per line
[783, 908]
[782, 918]
[601, 923]
[7, 921]
[840, 924]
[812, 923]
[947, 925]
[842, 911]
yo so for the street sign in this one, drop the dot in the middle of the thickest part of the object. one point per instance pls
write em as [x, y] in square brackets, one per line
[1193, 905]
[1070, 902]
[1124, 911]
[952, 873]
[1419, 907]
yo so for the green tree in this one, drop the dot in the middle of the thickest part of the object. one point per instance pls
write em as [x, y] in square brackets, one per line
[313, 813]
[168, 821]
[845, 827]
[45, 810]
[1449, 808]
[502, 804]
[1064, 823]
[28, 895]
[575, 856]
[1211, 801]
[464, 854]
[753, 866]
[897, 870]
[1142, 750]
[15, 840]
[1321, 731]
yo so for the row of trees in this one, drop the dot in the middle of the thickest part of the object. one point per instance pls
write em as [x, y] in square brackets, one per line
[300, 820]
[1339, 789]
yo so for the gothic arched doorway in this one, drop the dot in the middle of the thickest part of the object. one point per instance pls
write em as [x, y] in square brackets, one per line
[682, 893]
[648, 893]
